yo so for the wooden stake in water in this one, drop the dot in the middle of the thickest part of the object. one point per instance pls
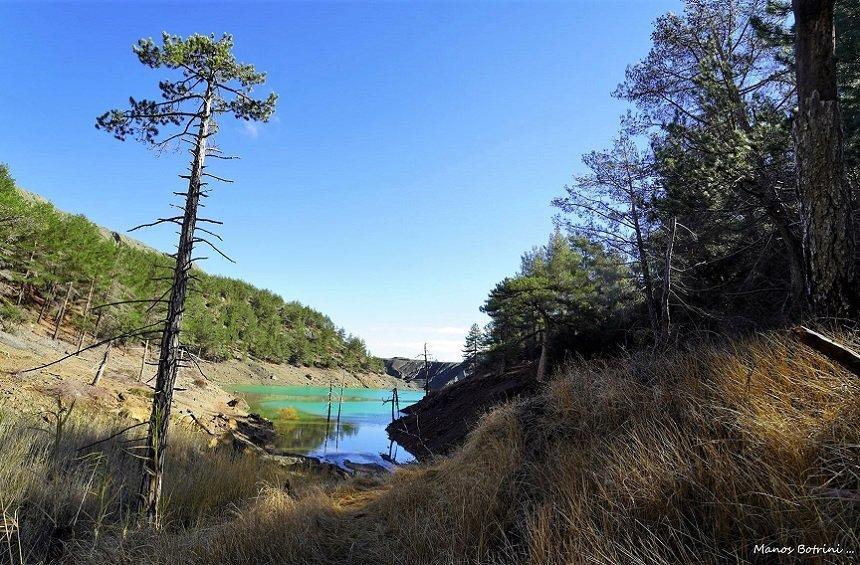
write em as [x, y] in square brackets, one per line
[337, 424]
[328, 417]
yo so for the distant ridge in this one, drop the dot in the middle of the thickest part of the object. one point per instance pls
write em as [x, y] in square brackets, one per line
[442, 373]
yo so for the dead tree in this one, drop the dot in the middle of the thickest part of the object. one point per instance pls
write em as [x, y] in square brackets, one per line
[825, 196]
[102, 365]
[143, 360]
[426, 370]
[212, 82]
[26, 277]
[46, 303]
[62, 313]
[665, 319]
[86, 316]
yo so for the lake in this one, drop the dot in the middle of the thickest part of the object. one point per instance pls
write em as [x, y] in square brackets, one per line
[306, 423]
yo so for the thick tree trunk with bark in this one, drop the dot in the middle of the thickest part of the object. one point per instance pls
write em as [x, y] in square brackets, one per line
[168, 364]
[828, 238]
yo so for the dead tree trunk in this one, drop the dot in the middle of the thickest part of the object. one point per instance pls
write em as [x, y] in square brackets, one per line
[26, 277]
[544, 349]
[825, 197]
[102, 365]
[86, 316]
[143, 360]
[665, 319]
[159, 420]
[98, 324]
[62, 313]
[48, 299]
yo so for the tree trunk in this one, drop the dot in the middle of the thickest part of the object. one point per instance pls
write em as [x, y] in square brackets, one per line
[26, 277]
[159, 420]
[62, 313]
[50, 298]
[646, 272]
[102, 365]
[667, 282]
[544, 350]
[825, 197]
[143, 360]
[98, 323]
[86, 316]
[641, 251]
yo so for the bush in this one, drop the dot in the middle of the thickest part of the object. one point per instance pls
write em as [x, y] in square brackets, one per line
[10, 315]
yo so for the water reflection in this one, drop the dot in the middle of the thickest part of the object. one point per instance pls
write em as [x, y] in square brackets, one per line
[333, 422]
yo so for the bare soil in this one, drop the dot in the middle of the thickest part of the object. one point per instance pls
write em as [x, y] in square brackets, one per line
[204, 390]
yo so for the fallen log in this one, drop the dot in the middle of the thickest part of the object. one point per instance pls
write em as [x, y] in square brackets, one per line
[833, 350]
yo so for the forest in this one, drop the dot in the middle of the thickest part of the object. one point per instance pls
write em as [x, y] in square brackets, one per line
[692, 221]
[111, 281]
[673, 376]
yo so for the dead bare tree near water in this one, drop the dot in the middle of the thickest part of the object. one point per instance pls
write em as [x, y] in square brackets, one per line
[212, 83]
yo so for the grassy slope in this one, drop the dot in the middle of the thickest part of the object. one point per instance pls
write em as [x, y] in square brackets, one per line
[692, 457]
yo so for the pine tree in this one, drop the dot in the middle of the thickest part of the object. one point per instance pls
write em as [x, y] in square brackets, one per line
[212, 83]
[473, 346]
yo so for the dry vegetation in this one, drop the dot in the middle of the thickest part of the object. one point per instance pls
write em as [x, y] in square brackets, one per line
[691, 457]
[59, 493]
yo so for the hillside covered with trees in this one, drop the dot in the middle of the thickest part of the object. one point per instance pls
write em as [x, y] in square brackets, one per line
[695, 219]
[46, 252]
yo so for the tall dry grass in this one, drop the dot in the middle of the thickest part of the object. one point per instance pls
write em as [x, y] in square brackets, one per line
[54, 495]
[687, 457]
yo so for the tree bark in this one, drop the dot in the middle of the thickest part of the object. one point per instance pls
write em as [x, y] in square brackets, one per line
[102, 365]
[159, 421]
[544, 350]
[62, 313]
[50, 298]
[667, 283]
[143, 360]
[828, 237]
[86, 316]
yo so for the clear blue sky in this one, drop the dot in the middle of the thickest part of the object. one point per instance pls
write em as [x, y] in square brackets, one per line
[414, 153]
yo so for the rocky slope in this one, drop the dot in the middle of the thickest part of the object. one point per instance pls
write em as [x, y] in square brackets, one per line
[440, 422]
[204, 394]
[412, 371]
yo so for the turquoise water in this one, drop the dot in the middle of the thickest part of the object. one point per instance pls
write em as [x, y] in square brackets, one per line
[306, 423]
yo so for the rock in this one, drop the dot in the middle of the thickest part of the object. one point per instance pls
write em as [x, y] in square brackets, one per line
[365, 469]
[412, 370]
[440, 421]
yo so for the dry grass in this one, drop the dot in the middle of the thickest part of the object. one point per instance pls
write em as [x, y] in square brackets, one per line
[52, 493]
[687, 458]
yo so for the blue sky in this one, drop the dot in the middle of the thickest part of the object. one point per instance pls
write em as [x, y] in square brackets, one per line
[415, 149]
